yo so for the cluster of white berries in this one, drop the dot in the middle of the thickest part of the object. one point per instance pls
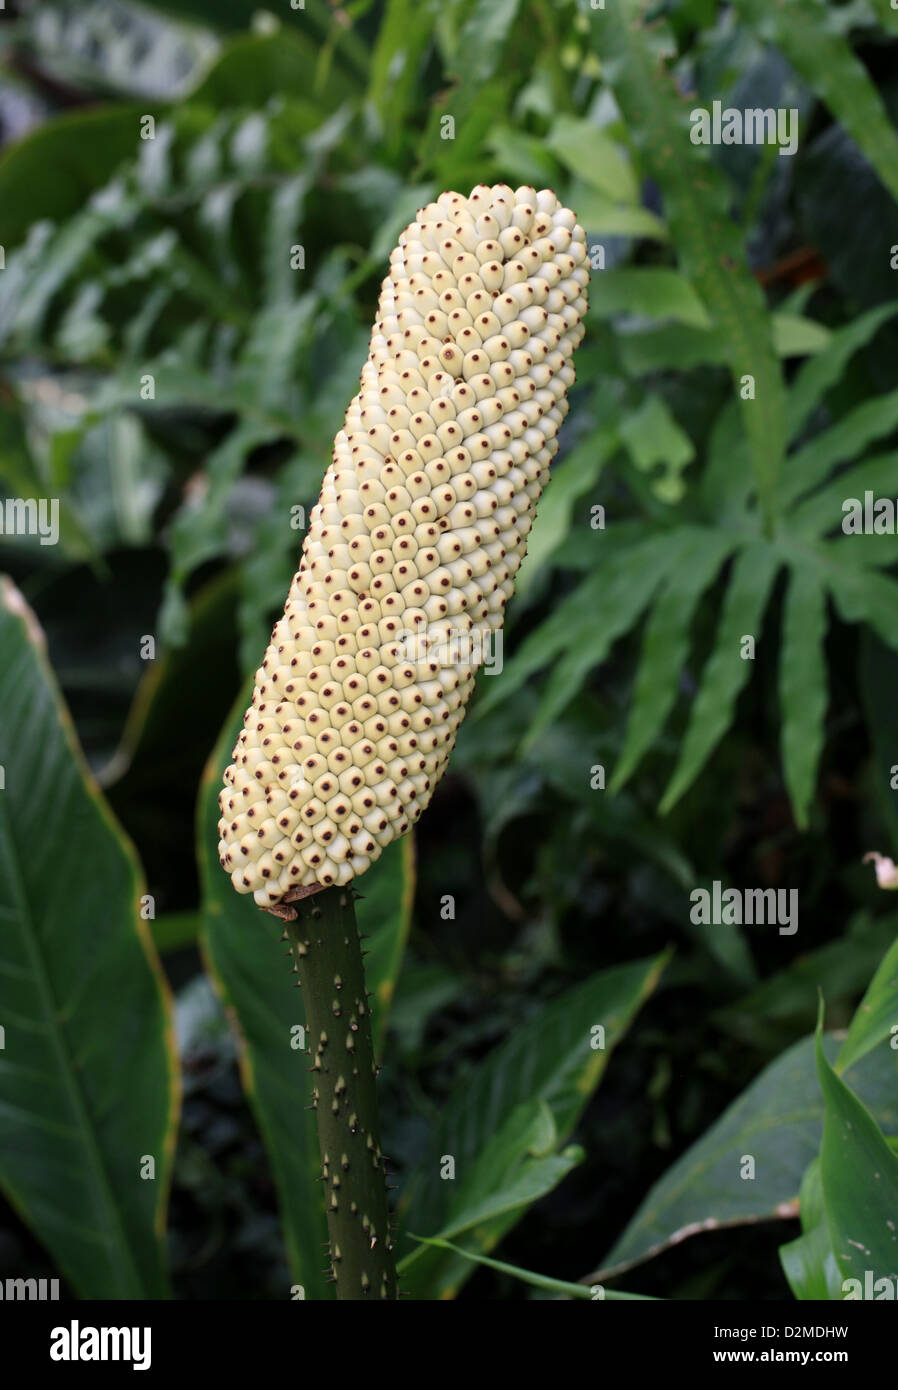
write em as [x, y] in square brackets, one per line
[418, 533]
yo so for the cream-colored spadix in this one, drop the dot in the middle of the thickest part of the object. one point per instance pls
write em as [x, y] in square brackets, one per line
[412, 549]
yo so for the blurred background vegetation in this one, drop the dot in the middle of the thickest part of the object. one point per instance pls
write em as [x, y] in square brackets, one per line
[175, 258]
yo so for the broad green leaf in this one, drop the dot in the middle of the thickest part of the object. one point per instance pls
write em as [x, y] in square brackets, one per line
[803, 686]
[255, 67]
[651, 291]
[242, 953]
[82, 147]
[516, 1167]
[727, 670]
[811, 1210]
[590, 152]
[810, 1266]
[621, 590]
[539, 1281]
[809, 1263]
[551, 1059]
[877, 1014]
[827, 63]
[83, 1000]
[665, 649]
[826, 369]
[860, 1181]
[777, 1121]
[696, 206]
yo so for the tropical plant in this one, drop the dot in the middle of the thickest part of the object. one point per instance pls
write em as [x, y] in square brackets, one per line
[699, 667]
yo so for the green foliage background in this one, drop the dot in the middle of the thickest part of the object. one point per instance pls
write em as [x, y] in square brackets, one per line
[685, 513]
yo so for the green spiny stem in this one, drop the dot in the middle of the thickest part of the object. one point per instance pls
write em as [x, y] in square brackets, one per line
[325, 942]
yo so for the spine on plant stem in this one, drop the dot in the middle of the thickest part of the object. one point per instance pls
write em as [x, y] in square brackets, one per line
[325, 943]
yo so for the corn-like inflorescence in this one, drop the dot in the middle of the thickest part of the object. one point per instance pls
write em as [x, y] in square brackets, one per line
[414, 544]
